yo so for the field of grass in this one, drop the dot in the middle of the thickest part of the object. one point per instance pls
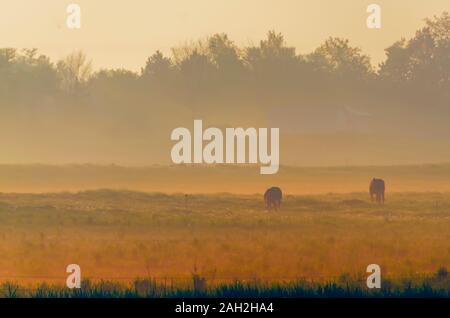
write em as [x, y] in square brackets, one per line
[220, 239]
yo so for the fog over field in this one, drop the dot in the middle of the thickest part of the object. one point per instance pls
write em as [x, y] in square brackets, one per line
[244, 179]
[333, 104]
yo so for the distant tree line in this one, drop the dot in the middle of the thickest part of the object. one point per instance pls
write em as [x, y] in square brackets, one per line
[215, 74]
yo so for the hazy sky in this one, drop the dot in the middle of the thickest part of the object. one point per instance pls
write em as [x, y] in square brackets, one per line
[124, 33]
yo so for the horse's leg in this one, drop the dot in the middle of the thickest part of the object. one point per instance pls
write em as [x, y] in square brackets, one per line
[382, 196]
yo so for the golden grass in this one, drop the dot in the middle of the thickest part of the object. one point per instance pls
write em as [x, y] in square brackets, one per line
[121, 235]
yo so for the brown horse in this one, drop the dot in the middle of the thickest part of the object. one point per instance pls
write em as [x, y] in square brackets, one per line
[272, 198]
[377, 188]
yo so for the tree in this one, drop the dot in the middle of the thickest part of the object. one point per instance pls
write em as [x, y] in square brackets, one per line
[272, 54]
[336, 56]
[25, 70]
[224, 54]
[424, 59]
[273, 68]
[157, 66]
[74, 71]
[7, 55]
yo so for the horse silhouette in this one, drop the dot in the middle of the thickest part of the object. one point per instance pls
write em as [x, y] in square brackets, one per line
[377, 188]
[272, 198]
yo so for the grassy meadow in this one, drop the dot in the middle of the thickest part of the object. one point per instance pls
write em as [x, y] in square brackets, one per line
[207, 243]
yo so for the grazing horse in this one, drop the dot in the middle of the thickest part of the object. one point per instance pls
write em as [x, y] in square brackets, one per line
[272, 198]
[377, 188]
